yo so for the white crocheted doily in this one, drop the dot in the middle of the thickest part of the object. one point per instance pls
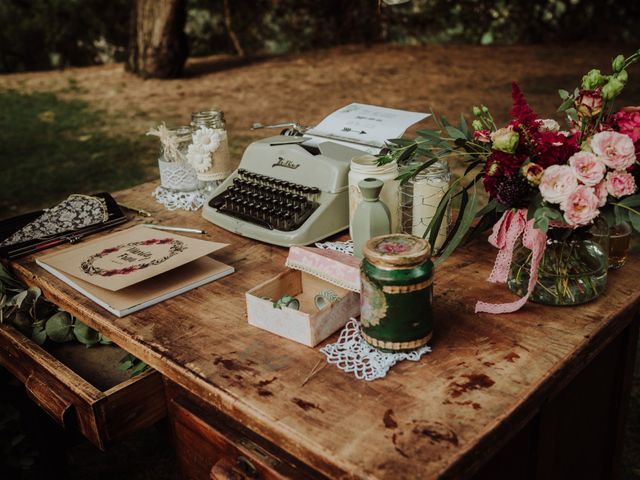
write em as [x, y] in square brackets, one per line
[173, 200]
[353, 355]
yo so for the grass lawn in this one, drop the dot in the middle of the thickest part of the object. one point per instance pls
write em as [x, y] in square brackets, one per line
[51, 148]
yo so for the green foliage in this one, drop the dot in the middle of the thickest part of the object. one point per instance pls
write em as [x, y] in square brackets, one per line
[133, 365]
[44, 34]
[62, 149]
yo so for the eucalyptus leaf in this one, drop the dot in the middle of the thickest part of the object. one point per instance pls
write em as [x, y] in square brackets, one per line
[572, 113]
[59, 327]
[139, 368]
[429, 134]
[634, 220]
[631, 201]
[464, 128]
[104, 340]
[563, 94]
[621, 215]
[85, 334]
[456, 133]
[467, 219]
[39, 334]
[565, 105]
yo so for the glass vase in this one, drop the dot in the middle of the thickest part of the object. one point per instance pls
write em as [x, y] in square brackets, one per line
[573, 269]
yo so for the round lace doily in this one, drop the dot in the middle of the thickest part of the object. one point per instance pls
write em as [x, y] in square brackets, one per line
[173, 200]
[353, 355]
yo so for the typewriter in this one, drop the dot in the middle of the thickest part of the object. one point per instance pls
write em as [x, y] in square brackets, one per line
[285, 193]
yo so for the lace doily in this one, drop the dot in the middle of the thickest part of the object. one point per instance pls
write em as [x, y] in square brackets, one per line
[353, 355]
[173, 200]
[178, 176]
[342, 247]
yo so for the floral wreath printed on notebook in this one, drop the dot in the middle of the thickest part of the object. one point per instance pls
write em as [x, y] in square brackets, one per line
[129, 252]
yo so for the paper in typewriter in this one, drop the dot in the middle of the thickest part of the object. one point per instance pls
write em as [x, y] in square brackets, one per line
[364, 127]
[125, 258]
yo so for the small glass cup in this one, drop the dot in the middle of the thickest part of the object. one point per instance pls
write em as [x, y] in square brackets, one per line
[619, 238]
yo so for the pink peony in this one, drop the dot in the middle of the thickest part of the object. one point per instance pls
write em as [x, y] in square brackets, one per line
[557, 183]
[620, 183]
[588, 169]
[628, 122]
[614, 149]
[601, 192]
[581, 207]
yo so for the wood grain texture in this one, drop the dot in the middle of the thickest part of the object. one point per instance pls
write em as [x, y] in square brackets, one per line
[442, 416]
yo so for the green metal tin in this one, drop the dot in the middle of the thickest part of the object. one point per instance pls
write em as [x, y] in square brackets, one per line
[397, 292]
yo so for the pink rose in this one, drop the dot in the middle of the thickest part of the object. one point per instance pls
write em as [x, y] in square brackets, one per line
[581, 207]
[588, 169]
[620, 183]
[601, 192]
[557, 183]
[589, 103]
[614, 149]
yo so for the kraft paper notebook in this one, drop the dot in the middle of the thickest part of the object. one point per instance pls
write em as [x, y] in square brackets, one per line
[135, 268]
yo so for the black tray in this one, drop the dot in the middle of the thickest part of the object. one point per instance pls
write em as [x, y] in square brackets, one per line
[10, 226]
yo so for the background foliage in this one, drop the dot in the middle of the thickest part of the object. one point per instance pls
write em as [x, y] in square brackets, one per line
[43, 34]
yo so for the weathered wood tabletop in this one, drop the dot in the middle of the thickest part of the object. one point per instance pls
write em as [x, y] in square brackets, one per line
[444, 415]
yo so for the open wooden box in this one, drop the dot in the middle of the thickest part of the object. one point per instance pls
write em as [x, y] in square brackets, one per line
[308, 325]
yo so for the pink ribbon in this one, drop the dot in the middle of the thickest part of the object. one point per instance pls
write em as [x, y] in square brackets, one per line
[506, 233]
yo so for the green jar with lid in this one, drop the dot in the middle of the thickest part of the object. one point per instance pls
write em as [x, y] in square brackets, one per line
[397, 292]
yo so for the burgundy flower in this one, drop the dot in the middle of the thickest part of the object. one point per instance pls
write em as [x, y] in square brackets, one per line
[554, 148]
[521, 112]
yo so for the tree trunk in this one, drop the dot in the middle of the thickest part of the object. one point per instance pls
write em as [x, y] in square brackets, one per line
[157, 42]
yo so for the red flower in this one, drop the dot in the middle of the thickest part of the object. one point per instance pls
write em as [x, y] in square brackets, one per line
[522, 112]
[554, 148]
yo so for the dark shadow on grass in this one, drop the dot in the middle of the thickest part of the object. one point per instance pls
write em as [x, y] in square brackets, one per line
[203, 66]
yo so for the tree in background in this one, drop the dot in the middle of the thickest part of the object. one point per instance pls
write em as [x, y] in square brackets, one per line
[157, 43]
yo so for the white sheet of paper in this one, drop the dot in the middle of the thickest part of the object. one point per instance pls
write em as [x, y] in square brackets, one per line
[366, 127]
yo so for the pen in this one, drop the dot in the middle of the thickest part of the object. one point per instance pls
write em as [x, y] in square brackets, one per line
[173, 229]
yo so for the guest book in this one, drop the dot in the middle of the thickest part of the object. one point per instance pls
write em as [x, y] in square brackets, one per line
[132, 269]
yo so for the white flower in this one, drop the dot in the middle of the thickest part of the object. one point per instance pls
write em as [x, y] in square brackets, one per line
[207, 138]
[549, 125]
[198, 158]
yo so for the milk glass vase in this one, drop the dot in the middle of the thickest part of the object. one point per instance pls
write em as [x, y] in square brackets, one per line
[573, 269]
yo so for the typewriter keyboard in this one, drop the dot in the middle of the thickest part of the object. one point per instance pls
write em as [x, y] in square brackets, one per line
[266, 201]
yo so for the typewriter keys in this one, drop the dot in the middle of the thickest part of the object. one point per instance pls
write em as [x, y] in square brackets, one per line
[266, 201]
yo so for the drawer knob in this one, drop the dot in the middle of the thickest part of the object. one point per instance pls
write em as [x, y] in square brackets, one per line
[57, 407]
[224, 469]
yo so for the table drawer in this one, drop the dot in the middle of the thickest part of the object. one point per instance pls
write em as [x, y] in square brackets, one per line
[101, 415]
[210, 446]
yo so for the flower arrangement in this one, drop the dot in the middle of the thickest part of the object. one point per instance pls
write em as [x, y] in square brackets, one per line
[538, 175]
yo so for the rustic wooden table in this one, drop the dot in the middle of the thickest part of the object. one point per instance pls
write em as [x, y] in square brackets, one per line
[536, 394]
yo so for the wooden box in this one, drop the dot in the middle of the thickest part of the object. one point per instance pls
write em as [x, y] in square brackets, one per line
[308, 325]
[102, 413]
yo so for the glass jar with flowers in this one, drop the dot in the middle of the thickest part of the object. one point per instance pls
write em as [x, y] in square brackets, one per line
[551, 192]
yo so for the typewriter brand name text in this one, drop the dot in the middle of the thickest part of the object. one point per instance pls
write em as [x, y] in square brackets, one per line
[285, 163]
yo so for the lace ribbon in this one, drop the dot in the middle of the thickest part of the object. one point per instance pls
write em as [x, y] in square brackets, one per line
[173, 200]
[506, 233]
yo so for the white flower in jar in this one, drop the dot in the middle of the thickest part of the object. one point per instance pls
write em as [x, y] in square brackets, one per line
[199, 158]
[206, 138]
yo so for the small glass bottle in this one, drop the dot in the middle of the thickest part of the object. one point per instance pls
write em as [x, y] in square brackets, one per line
[366, 166]
[221, 165]
[419, 200]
